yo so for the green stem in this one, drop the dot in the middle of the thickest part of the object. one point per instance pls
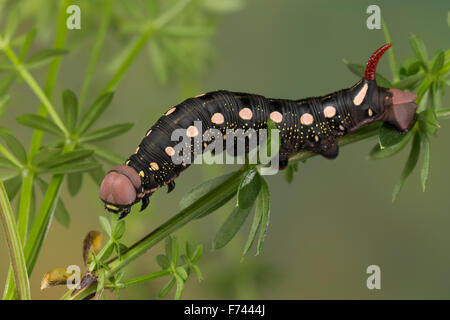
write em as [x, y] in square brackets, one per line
[36, 89]
[95, 52]
[24, 205]
[147, 277]
[149, 30]
[15, 246]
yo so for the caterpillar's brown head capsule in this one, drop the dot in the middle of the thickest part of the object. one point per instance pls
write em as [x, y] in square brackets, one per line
[372, 103]
[119, 189]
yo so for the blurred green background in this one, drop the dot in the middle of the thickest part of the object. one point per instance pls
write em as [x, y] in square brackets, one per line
[333, 221]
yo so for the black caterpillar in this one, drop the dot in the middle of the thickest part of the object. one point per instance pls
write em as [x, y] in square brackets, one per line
[308, 124]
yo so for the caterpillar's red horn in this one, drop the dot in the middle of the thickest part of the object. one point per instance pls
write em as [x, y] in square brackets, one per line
[371, 66]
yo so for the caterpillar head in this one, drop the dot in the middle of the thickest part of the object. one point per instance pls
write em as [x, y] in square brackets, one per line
[372, 103]
[119, 189]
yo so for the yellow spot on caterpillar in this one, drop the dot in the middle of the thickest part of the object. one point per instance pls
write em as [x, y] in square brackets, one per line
[361, 95]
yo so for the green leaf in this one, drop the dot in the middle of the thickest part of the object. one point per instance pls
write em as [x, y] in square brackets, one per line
[159, 62]
[389, 137]
[119, 230]
[12, 22]
[162, 261]
[197, 253]
[46, 154]
[105, 154]
[70, 105]
[43, 57]
[6, 175]
[182, 273]
[263, 204]
[14, 145]
[13, 186]
[197, 272]
[94, 112]
[248, 189]
[67, 158]
[409, 167]
[6, 164]
[425, 172]
[74, 182]
[289, 172]
[4, 102]
[167, 287]
[428, 122]
[231, 226]
[423, 88]
[106, 226]
[72, 168]
[358, 70]
[419, 49]
[40, 123]
[410, 66]
[98, 174]
[29, 38]
[438, 62]
[254, 228]
[62, 215]
[409, 82]
[107, 132]
[200, 190]
[6, 82]
[377, 153]
[180, 287]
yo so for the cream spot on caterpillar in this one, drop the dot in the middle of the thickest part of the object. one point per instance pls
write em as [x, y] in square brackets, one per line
[316, 138]
[246, 114]
[169, 151]
[370, 112]
[199, 95]
[306, 119]
[170, 111]
[276, 117]
[148, 132]
[154, 166]
[361, 95]
[217, 118]
[329, 111]
[341, 127]
[192, 131]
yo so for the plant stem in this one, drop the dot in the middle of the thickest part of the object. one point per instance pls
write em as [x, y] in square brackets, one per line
[149, 30]
[36, 139]
[96, 52]
[36, 89]
[24, 205]
[15, 246]
[147, 277]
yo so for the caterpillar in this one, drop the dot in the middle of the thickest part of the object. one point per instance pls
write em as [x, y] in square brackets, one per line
[312, 124]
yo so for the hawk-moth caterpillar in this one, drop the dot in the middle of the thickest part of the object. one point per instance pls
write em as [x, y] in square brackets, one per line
[308, 124]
